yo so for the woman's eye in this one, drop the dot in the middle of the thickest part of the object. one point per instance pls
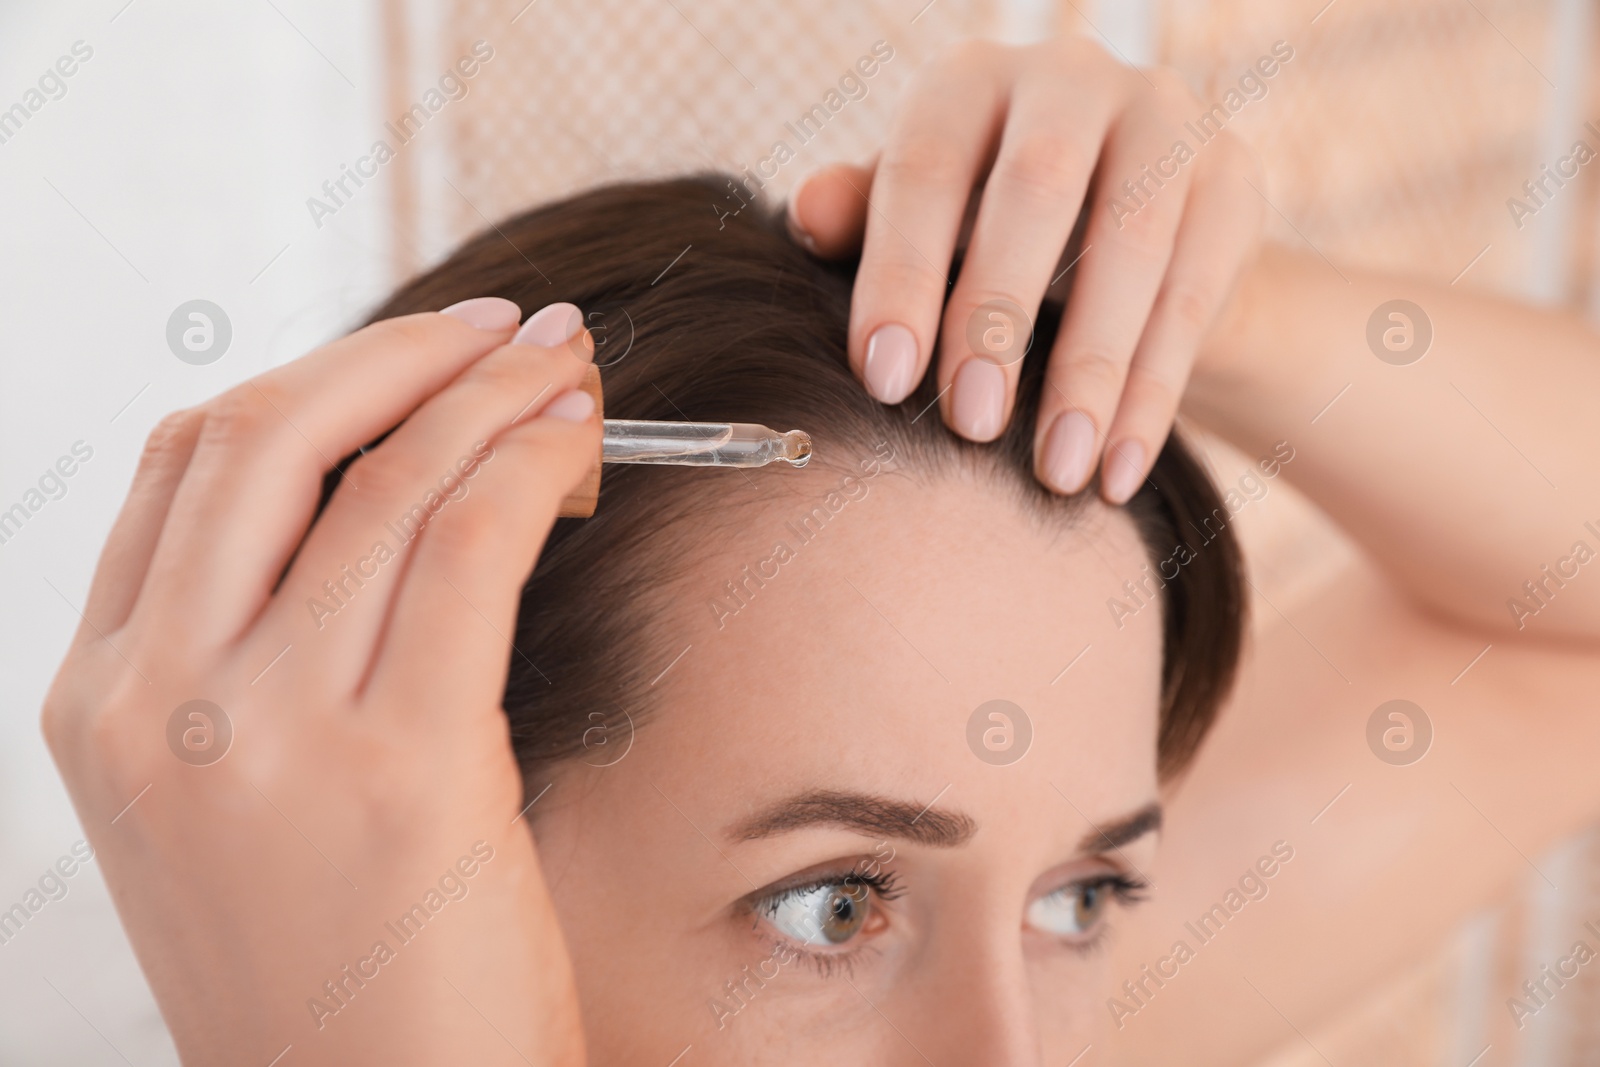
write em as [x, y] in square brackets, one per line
[1072, 910]
[823, 914]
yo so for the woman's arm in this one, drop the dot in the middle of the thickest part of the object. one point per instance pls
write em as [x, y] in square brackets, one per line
[1471, 474]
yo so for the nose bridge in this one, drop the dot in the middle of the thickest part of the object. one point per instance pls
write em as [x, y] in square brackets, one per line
[970, 1002]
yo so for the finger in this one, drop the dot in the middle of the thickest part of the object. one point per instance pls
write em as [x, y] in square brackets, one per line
[334, 602]
[458, 603]
[940, 144]
[827, 213]
[132, 541]
[253, 482]
[840, 212]
[1220, 223]
[1129, 245]
[1030, 203]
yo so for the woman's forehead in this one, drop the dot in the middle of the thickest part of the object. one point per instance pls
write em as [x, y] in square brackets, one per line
[921, 629]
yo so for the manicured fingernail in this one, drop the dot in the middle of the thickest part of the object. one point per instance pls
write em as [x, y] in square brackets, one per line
[549, 326]
[485, 312]
[574, 405]
[978, 400]
[1068, 453]
[799, 231]
[891, 363]
[1124, 471]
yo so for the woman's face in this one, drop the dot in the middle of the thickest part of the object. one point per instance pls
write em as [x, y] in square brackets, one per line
[819, 849]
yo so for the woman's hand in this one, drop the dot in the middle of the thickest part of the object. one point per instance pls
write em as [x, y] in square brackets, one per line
[348, 874]
[1033, 126]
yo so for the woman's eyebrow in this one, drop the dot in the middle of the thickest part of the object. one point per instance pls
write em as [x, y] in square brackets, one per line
[874, 816]
[1120, 831]
[877, 816]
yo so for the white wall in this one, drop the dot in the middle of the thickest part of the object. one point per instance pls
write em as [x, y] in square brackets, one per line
[189, 142]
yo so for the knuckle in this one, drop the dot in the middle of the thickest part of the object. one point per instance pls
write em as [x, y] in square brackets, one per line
[921, 159]
[170, 436]
[54, 723]
[517, 370]
[1096, 373]
[241, 415]
[1154, 390]
[558, 458]
[1044, 163]
[108, 740]
[561, 451]
[1190, 308]
[410, 331]
[1146, 237]
[388, 473]
[120, 740]
[78, 688]
[467, 533]
[899, 278]
[970, 298]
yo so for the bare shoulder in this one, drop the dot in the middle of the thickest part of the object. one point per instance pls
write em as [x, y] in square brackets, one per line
[1394, 773]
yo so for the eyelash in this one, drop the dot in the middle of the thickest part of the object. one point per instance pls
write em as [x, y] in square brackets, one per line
[1126, 890]
[884, 885]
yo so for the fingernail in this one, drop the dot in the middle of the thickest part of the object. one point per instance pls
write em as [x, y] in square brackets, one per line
[551, 325]
[977, 403]
[485, 312]
[574, 405]
[891, 363]
[799, 231]
[1068, 455]
[1124, 471]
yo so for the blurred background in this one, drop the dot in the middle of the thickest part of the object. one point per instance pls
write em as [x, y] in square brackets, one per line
[197, 152]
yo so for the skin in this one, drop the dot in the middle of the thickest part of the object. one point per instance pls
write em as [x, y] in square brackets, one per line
[374, 755]
[1439, 522]
[238, 921]
[1007, 140]
[1403, 470]
[650, 908]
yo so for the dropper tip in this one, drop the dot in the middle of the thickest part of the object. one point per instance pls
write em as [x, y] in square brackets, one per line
[799, 447]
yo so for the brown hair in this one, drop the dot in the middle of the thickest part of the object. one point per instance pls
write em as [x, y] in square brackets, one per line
[746, 326]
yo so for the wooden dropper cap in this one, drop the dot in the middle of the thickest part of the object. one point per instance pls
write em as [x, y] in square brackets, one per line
[580, 503]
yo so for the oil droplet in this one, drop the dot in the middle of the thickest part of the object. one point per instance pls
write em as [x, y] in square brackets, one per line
[798, 447]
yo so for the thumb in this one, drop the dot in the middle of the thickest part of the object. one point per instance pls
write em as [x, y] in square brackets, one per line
[828, 209]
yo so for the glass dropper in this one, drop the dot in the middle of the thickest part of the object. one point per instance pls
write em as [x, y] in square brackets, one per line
[702, 444]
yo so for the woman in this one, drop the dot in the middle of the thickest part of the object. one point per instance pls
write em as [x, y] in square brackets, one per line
[855, 762]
